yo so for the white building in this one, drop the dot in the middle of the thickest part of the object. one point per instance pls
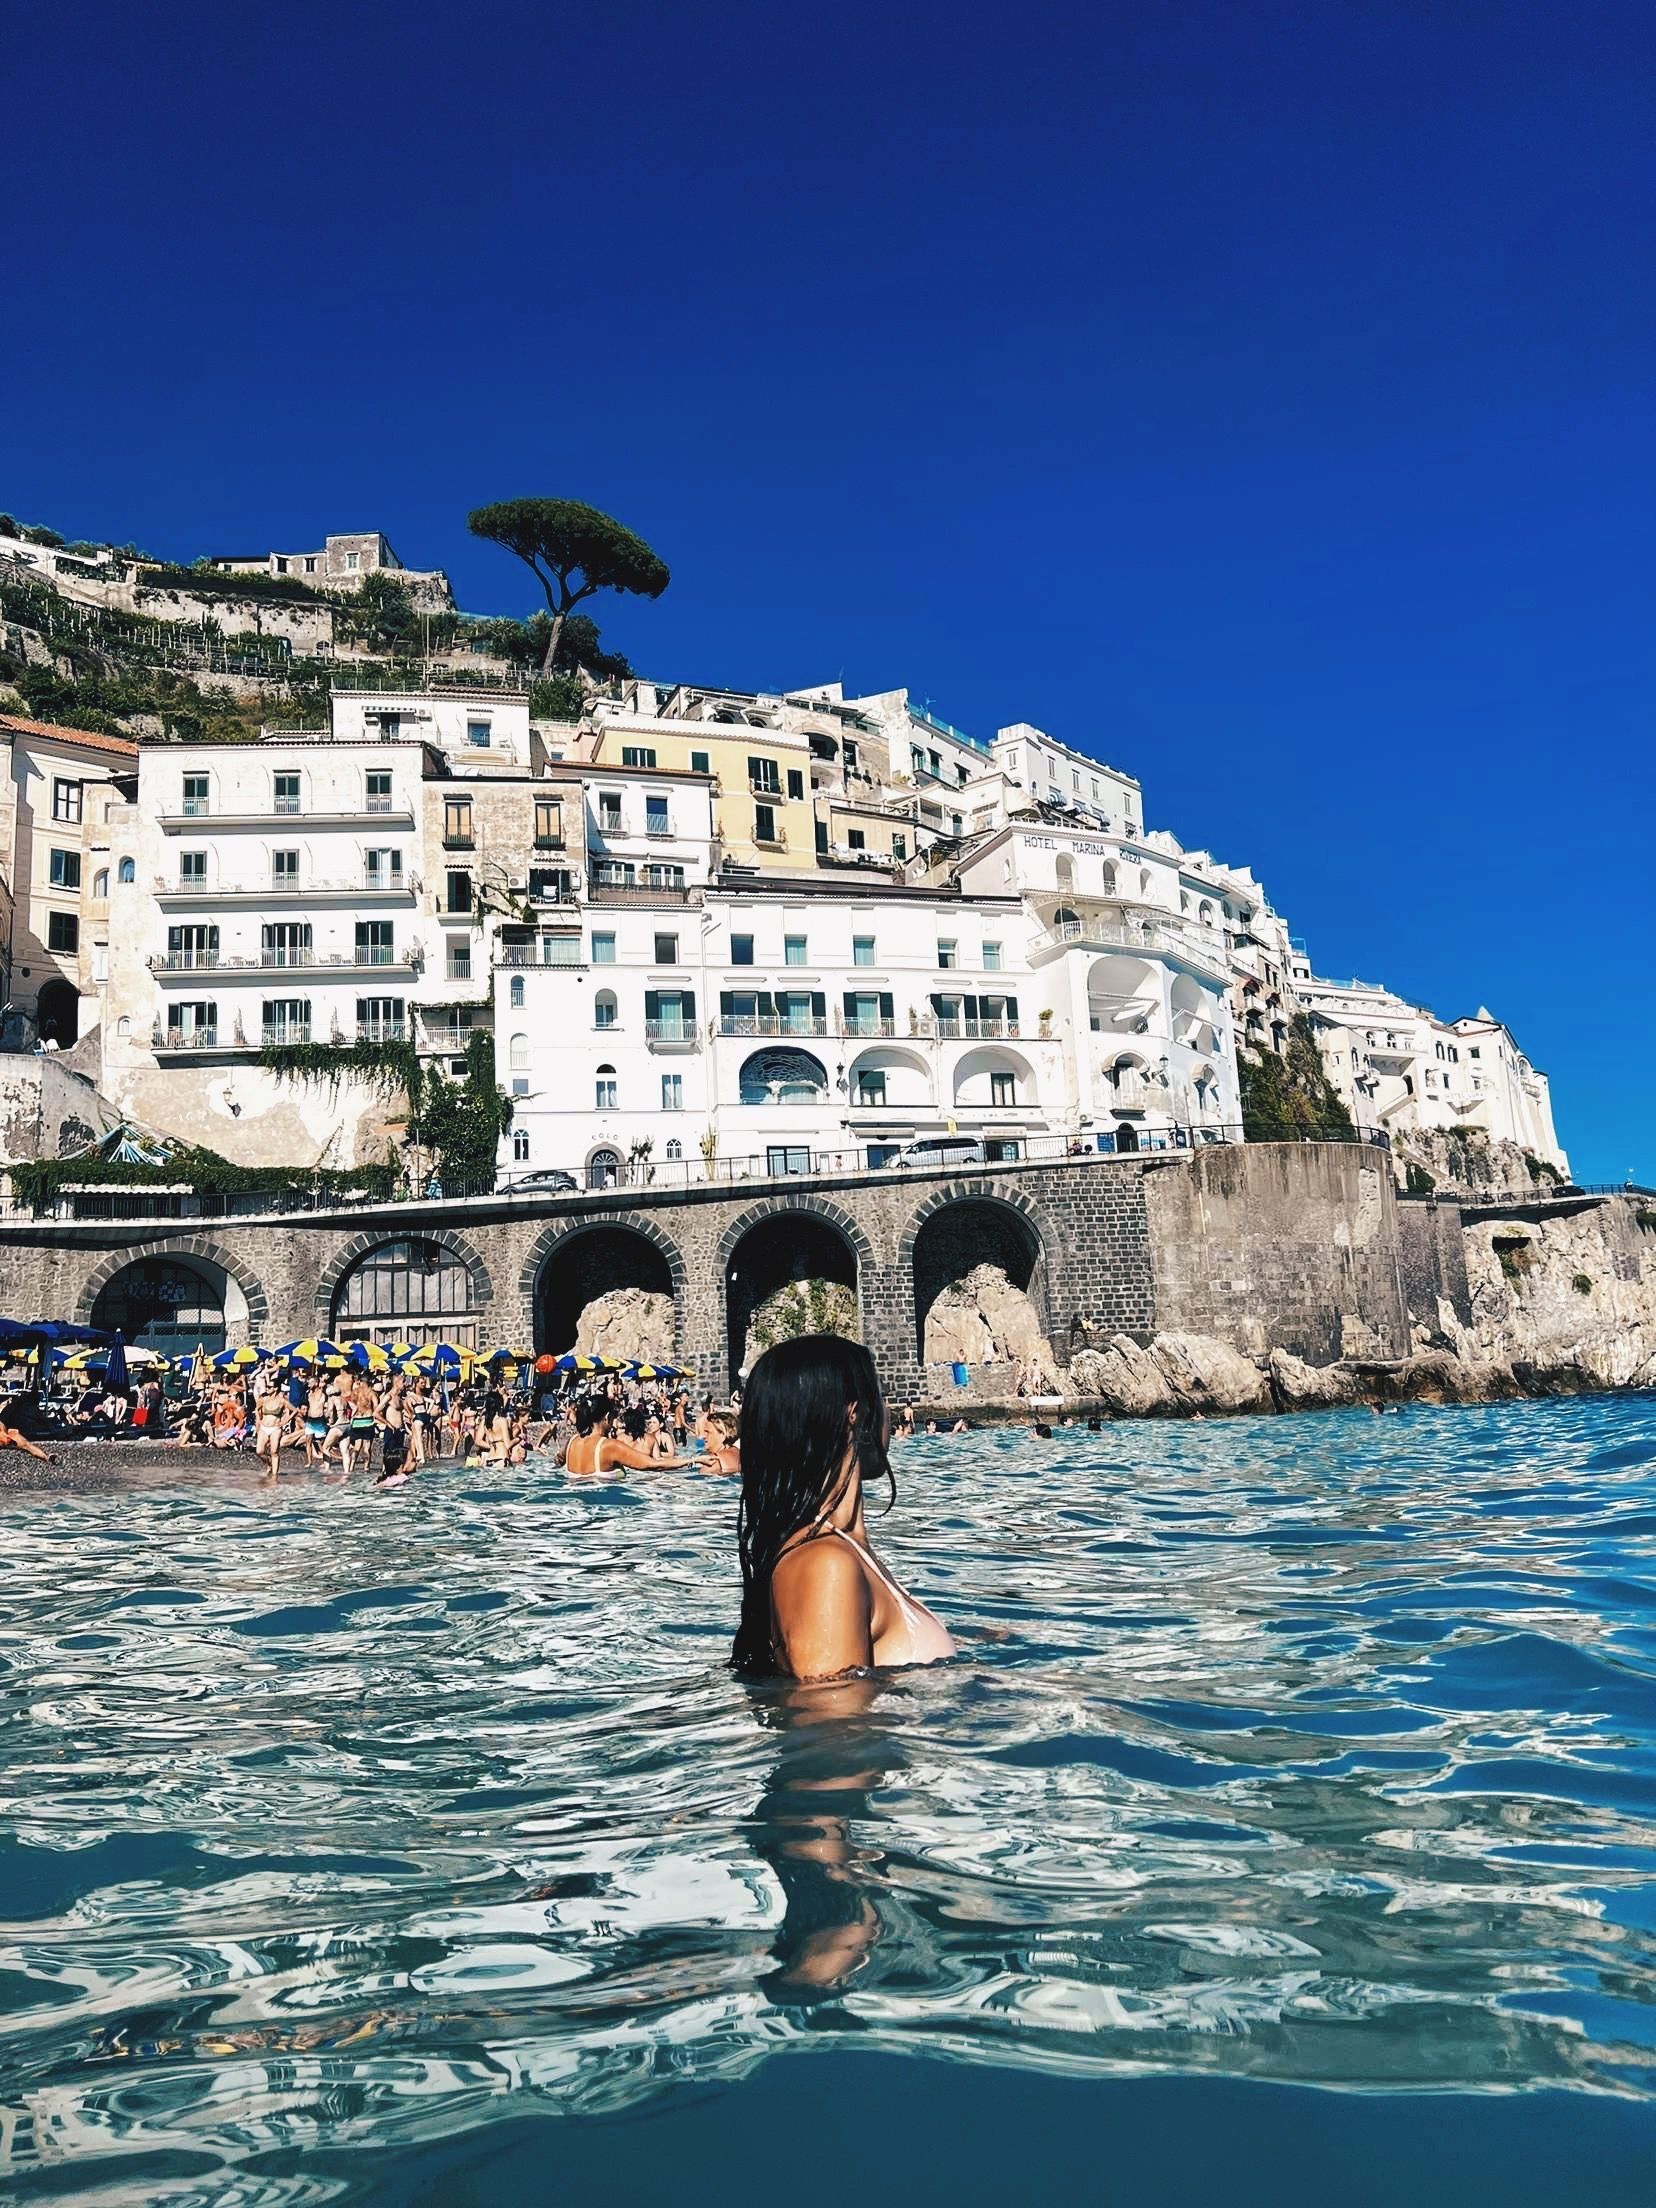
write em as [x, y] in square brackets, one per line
[1128, 956]
[1400, 1068]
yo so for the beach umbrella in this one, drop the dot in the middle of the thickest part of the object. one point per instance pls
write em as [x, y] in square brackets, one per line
[95, 1360]
[637, 1371]
[119, 1378]
[507, 1357]
[236, 1360]
[313, 1350]
[443, 1358]
[569, 1362]
[367, 1357]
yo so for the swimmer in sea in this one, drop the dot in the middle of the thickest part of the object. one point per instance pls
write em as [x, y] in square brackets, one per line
[595, 1449]
[816, 1602]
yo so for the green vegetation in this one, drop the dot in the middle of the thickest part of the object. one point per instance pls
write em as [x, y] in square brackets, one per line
[1542, 1169]
[38, 1181]
[1583, 1284]
[1417, 1181]
[1646, 1218]
[1290, 1099]
[459, 1122]
[203, 580]
[804, 1307]
[571, 550]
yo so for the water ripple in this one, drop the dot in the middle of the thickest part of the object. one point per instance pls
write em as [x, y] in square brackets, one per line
[1316, 1750]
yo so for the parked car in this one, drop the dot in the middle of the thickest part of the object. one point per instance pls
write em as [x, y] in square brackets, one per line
[549, 1180]
[936, 1150]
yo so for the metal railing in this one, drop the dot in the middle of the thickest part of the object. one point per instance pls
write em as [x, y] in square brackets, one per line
[380, 960]
[779, 1162]
[622, 894]
[685, 1033]
[362, 885]
[770, 1023]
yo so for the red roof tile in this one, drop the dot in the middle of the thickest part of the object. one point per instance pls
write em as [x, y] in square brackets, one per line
[18, 726]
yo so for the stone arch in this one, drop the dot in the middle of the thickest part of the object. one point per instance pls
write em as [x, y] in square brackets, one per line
[993, 1223]
[361, 1245]
[610, 1261]
[774, 1240]
[183, 1249]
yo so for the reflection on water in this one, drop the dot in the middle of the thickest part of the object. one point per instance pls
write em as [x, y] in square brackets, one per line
[1317, 1750]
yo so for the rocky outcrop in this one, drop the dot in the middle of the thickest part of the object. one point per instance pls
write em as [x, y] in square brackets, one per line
[803, 1307]
[983, 1320]
[627, 1322]
[1177, 1374]
[1298, 1386]
[1466, 1158]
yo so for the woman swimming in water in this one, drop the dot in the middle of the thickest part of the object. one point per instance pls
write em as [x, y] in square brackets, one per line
[816, 1602]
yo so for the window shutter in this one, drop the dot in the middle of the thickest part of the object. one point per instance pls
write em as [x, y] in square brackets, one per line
[652, 1004]
[727, 1005]
[819, 1005]
[1012, 1009]
[687, 998]
[767, 1005]
[886, 1006]
[850, 1003]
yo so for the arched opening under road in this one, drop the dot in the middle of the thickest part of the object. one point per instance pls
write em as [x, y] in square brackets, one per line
[172, 1307]
[57, 1013]
[957, 1250]
[606, 1291]
[797, 1274]
[414, 1289]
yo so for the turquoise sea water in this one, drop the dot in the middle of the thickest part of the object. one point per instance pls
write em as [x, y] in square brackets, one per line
[1288, 1831]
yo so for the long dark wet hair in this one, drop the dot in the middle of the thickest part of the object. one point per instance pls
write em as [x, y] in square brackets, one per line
[794, 1466]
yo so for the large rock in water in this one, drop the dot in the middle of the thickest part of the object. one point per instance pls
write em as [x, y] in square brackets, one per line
[1206, 1375]
[1303, 1387]
[627, 1322]
[1122, 1375]
[983, 1318]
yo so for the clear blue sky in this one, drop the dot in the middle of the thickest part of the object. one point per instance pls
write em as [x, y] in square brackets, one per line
[1258, 397]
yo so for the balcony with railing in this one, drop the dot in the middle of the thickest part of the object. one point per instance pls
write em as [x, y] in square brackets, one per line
[563, 955]
[380, 960]
[194, 1042]
[285, 889]
[772, 1024]
[1130, 930]
[866, 1026]
[682, 896]
[978, 1030]
[672, 1034]
[372, 813]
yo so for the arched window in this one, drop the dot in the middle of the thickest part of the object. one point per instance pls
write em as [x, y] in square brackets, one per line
[517, 992]
[162, 1305]
[604, 1010]
[123, 1027]
[1109, 878]
[675, 1149]
[128, 870]
[603, 1169]
[520, 1145]
[100, 883]
[413, 1289]
[607, 1089]
[1066, 873]
[518, 1053]
[783, 1077]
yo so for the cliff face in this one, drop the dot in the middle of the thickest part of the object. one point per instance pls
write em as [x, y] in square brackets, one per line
[1562, 1301]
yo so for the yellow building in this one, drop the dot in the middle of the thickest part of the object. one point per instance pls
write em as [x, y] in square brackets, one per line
[763, 809]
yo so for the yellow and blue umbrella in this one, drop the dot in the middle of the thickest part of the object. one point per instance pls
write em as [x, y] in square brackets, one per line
[637, 1371]
[367, 1357]
[314, 1350]
[237, 1360]
[443, 1358]
[569, 1362]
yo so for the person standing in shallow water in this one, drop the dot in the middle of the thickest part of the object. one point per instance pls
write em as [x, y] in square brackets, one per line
[816, 1602]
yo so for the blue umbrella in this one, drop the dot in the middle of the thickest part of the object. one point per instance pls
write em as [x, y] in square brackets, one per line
[116, 1376]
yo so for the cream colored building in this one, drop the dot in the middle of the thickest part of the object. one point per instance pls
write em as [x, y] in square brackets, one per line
[54, 901]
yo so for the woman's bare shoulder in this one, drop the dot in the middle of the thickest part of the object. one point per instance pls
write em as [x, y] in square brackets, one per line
[820, 1563]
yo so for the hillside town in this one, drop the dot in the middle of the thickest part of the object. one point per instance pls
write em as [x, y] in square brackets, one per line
[688, 932]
